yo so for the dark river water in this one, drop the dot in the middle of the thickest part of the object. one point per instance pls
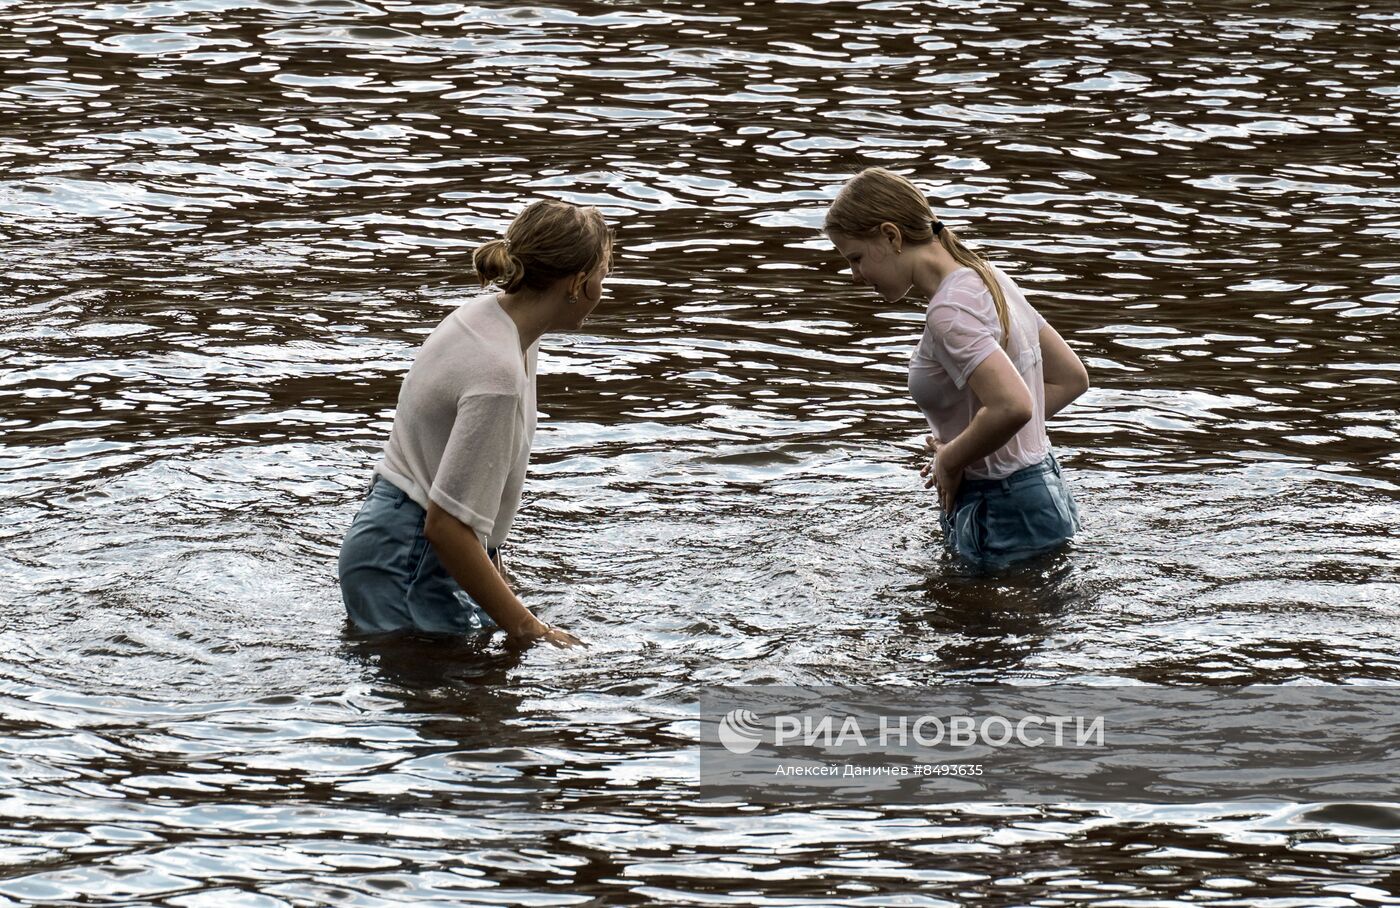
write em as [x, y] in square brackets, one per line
[227, 224]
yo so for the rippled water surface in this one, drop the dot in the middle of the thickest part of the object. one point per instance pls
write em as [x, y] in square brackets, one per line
[227, 223]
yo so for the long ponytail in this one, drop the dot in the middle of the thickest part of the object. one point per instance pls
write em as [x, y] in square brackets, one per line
[965, 256]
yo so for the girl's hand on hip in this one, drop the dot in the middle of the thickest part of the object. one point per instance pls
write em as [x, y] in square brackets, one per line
[938, 475]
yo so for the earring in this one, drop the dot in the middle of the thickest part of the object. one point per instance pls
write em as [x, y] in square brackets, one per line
[573, 299]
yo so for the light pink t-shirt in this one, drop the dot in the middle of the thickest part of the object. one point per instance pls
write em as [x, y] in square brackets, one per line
[960, 331]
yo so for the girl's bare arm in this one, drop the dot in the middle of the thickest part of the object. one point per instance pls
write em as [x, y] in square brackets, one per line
[1065, 376]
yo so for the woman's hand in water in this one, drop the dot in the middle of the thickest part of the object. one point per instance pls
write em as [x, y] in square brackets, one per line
[938, 474]
[562, 638]
[538, 630]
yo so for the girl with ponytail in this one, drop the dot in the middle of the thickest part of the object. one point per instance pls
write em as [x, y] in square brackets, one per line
[423, 554]
[987, 373]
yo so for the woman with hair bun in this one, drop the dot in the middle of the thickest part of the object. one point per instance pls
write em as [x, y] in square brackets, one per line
[987, 373]
[423, 554]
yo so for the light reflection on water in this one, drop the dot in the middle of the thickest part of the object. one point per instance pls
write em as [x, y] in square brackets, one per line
[228, 225]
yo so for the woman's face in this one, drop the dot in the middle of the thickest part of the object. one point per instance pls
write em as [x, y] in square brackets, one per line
[875, 263]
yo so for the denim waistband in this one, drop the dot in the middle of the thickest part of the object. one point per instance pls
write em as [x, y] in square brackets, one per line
[383, 486]
[1025, 474]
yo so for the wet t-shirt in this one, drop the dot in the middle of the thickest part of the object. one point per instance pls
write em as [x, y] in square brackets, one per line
[961, 330]
[466, 419]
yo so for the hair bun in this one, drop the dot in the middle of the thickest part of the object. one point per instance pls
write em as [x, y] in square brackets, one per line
[549, 241]
[495, 263]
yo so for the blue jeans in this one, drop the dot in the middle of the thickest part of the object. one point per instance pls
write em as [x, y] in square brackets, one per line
[390, 577]
[999, 521]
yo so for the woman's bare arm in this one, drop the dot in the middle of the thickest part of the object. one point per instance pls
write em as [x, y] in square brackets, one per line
[462, 554]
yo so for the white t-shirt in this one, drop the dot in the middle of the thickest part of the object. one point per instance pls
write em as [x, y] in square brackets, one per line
[466, 419]
[961, 330]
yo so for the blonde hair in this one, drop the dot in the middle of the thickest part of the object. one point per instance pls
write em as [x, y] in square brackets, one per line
[877, 196]
[547, 241]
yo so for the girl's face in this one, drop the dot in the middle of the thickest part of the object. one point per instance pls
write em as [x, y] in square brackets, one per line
[875, 263]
